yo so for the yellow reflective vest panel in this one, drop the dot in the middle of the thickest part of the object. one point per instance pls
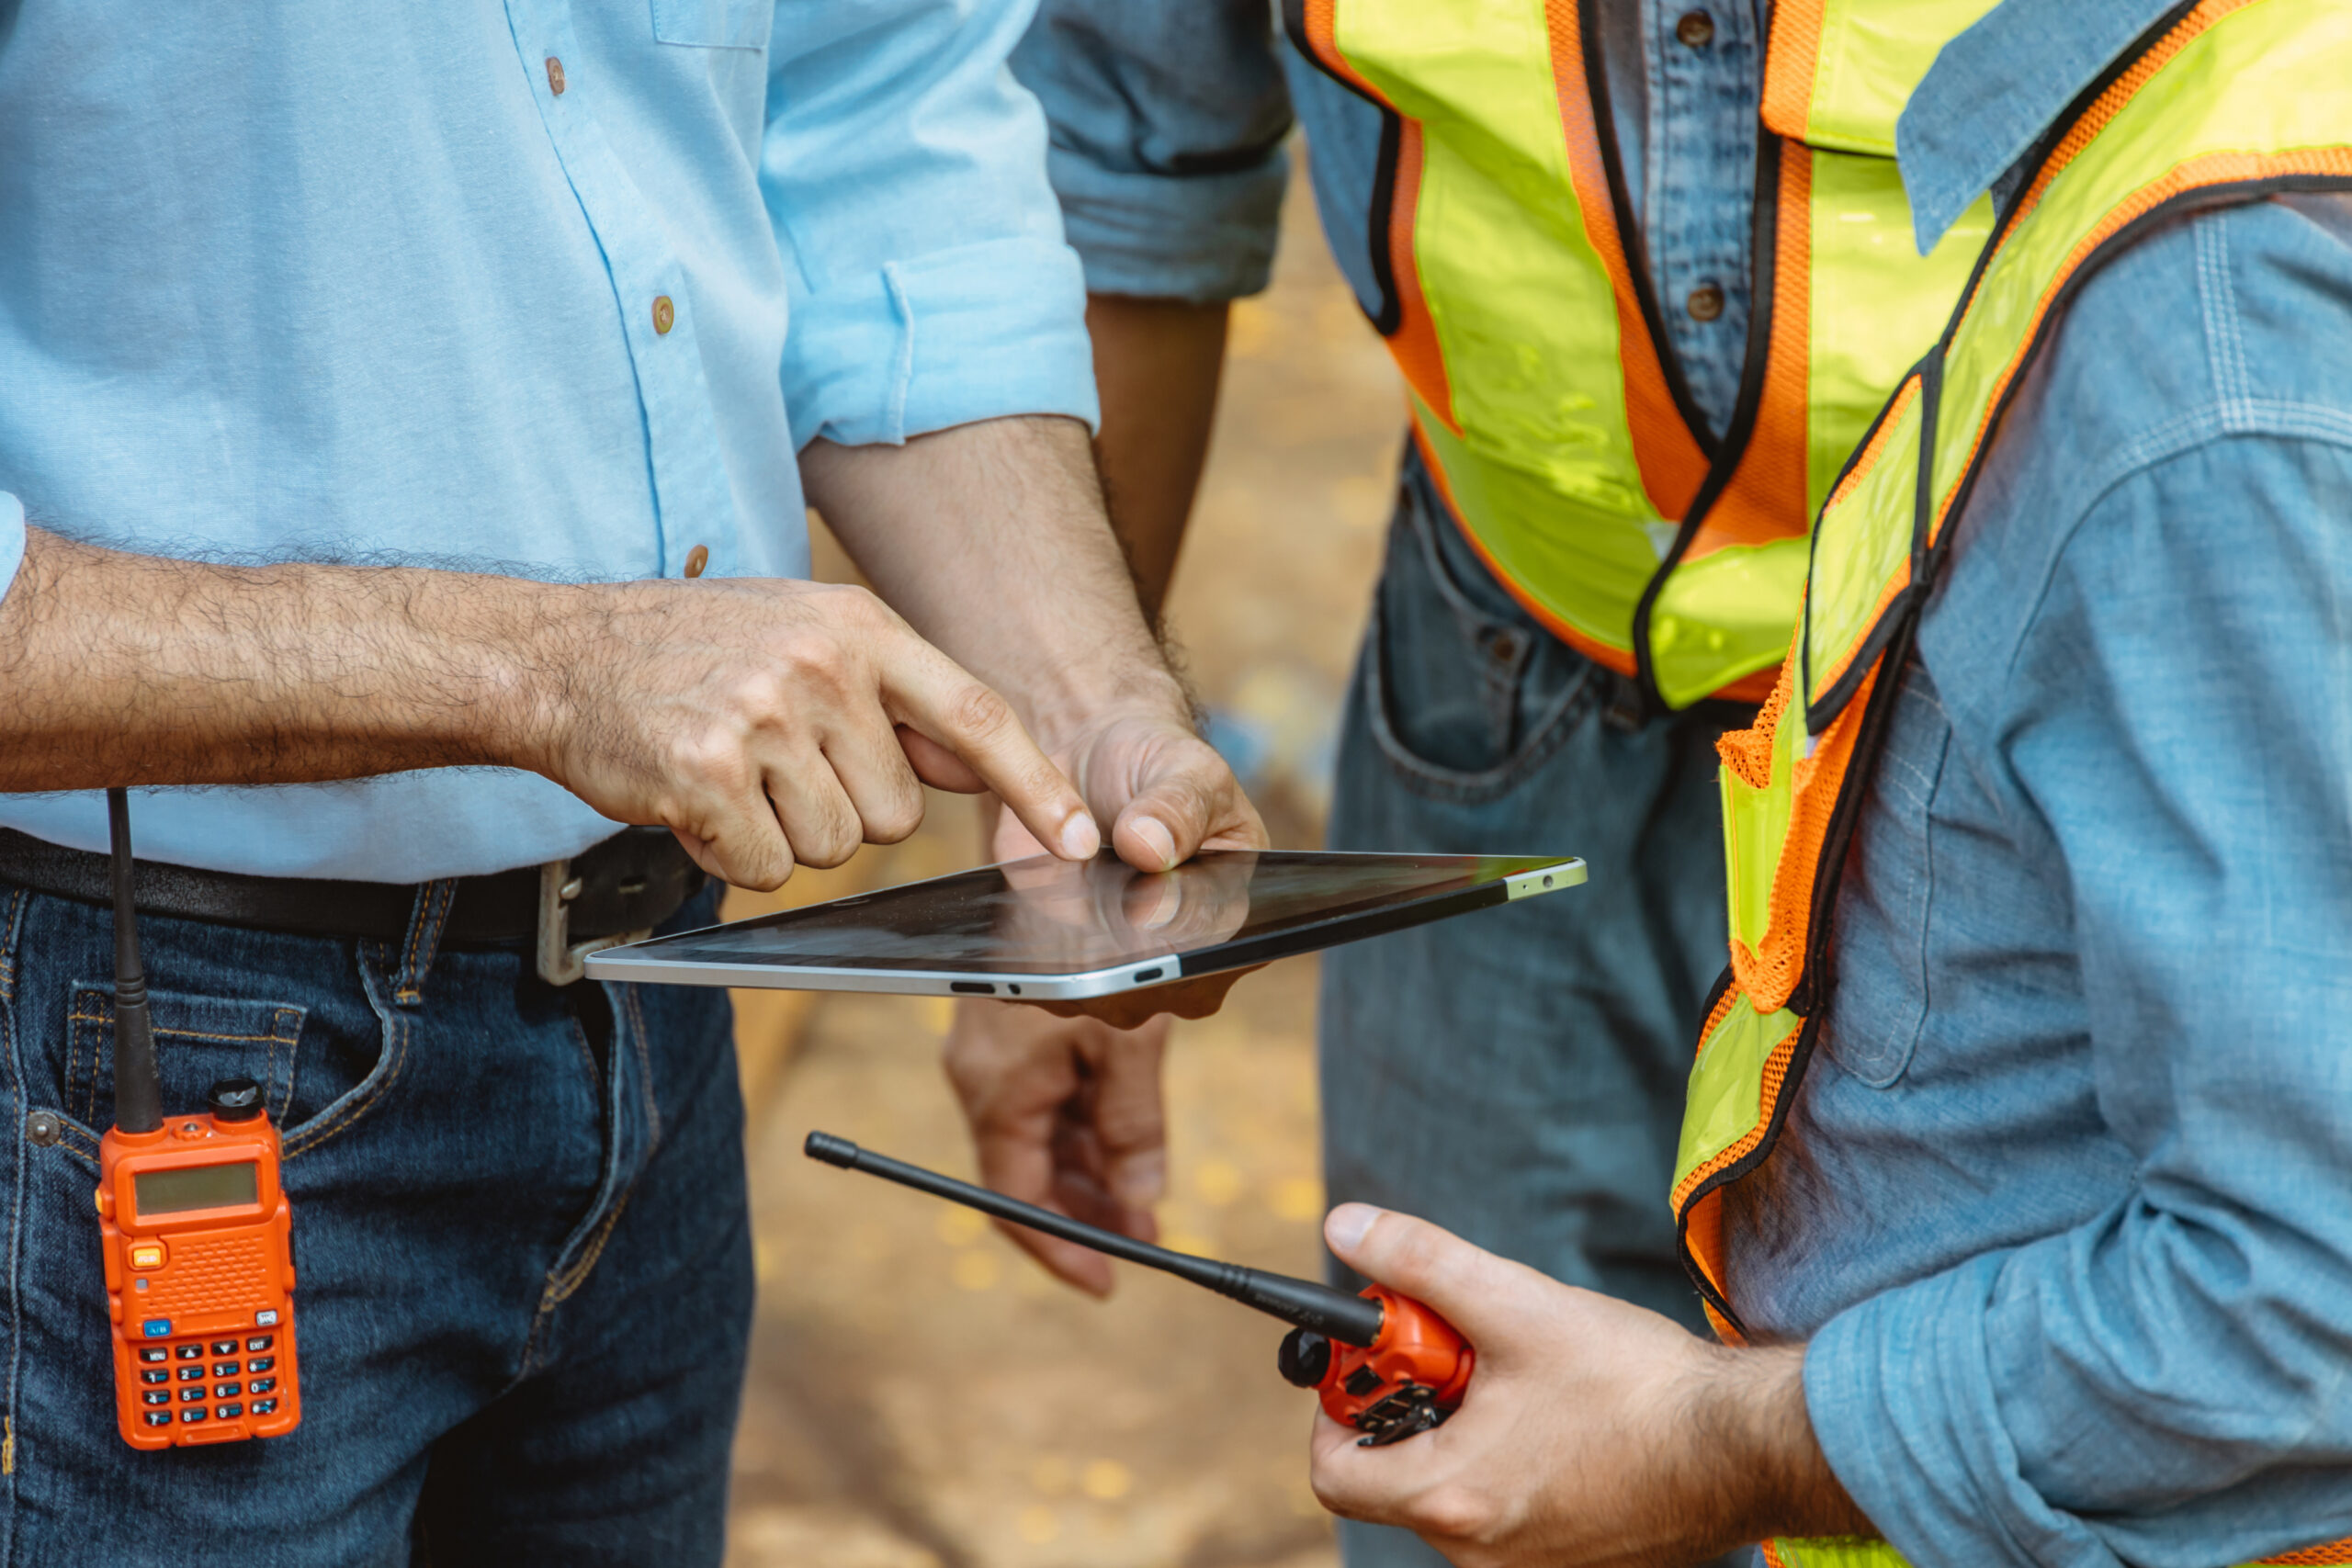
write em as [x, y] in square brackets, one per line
[2233, 100]
[1515, 304]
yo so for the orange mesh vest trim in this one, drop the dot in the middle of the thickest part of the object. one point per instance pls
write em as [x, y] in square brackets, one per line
[2237, 99]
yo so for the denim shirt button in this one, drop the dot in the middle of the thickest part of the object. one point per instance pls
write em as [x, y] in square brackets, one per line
[1696, 29]
[1706, 302]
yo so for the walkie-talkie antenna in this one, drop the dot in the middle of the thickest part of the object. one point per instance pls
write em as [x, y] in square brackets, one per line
[138, 1085]
[1350, 1320]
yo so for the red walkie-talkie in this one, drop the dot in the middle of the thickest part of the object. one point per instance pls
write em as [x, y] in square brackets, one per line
[199, 1273]
[1382, 1363]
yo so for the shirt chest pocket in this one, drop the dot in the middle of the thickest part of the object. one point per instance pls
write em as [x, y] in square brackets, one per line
[714, 23]
[1886, 903]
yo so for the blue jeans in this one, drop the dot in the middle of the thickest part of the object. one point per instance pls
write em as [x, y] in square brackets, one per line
[1516, 1076]
[520, 1232]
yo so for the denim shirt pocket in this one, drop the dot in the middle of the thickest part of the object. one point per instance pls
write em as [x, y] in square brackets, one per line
[200, 1040]
[714, 23]
[1880, 990]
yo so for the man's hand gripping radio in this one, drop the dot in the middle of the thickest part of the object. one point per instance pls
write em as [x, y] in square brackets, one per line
[200, 1272]
[1382, 1363]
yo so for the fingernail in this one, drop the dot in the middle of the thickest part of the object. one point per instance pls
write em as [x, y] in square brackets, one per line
[1143, 1180]
[1344, 1226]
[1155, 834]
[1080, 837]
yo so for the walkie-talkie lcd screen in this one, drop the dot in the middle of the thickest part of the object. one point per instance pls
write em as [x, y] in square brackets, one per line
[196, 1187]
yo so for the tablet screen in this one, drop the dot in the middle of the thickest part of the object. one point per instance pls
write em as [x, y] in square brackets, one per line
[1048, 917]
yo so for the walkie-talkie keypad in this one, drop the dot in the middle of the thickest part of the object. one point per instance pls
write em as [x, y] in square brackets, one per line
[196, 1387]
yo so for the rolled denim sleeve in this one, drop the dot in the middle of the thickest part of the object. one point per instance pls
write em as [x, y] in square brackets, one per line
[12, 540]
[1168, 119]
[2165, 1383]
[904, 170]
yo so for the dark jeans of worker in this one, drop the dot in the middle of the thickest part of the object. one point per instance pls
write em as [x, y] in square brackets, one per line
[519, 1228]
[1517, 1075]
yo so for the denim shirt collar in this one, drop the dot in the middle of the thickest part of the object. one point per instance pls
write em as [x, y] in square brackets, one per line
[1996, 88]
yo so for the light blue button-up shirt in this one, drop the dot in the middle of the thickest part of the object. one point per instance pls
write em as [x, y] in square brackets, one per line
[350, 282]
[2062, 1205]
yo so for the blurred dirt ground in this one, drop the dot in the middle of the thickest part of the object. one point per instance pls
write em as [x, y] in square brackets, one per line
[921, 1395]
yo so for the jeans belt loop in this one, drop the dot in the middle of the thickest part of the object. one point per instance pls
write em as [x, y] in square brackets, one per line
[561, 961]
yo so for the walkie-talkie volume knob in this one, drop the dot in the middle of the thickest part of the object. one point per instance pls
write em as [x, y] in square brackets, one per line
[1304, 1358]
[236, 1100]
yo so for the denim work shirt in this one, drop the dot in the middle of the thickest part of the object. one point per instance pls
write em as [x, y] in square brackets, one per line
[2062, 1203]
[555, 288]
[1168, 120]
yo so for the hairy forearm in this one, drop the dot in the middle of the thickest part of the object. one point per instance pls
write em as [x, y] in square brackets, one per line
[990, 539]
[1756, 1470]
[118, 669]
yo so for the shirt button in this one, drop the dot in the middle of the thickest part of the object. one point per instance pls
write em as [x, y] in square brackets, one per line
[1696, 29]
[697, 559]
[1706, 302]
[665, 315]
[555, 75]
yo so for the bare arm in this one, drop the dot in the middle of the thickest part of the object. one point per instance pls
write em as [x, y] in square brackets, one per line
[764, 722]
[1157, 363]
[990, 539]
[1068, 1112]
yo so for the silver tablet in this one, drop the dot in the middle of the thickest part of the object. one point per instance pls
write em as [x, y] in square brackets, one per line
[1054, 930]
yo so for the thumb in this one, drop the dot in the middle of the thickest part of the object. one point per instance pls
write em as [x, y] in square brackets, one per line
[1471, 1288]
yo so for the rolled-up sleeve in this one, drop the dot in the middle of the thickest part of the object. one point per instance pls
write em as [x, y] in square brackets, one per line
[12, 540]
[904, 169]
[2163, 1385]
[1168, 120]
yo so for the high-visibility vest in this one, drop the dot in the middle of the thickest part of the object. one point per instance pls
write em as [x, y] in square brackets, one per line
[1516, 304]
[2236, 99]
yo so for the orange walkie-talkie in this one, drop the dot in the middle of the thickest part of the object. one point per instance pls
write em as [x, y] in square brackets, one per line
[200, 1272]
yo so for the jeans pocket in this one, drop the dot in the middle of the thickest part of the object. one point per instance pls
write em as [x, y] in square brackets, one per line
[714, 23]
[200, 1040]
[1467, 693]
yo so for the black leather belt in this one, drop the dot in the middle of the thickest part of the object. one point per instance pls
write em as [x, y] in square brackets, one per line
[610, 892]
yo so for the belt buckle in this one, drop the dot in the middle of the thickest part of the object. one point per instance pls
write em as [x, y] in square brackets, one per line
[562, 961]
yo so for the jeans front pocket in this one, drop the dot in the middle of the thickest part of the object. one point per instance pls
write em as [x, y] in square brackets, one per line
[1466, 693]
[714, 23]
[200, 1040]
